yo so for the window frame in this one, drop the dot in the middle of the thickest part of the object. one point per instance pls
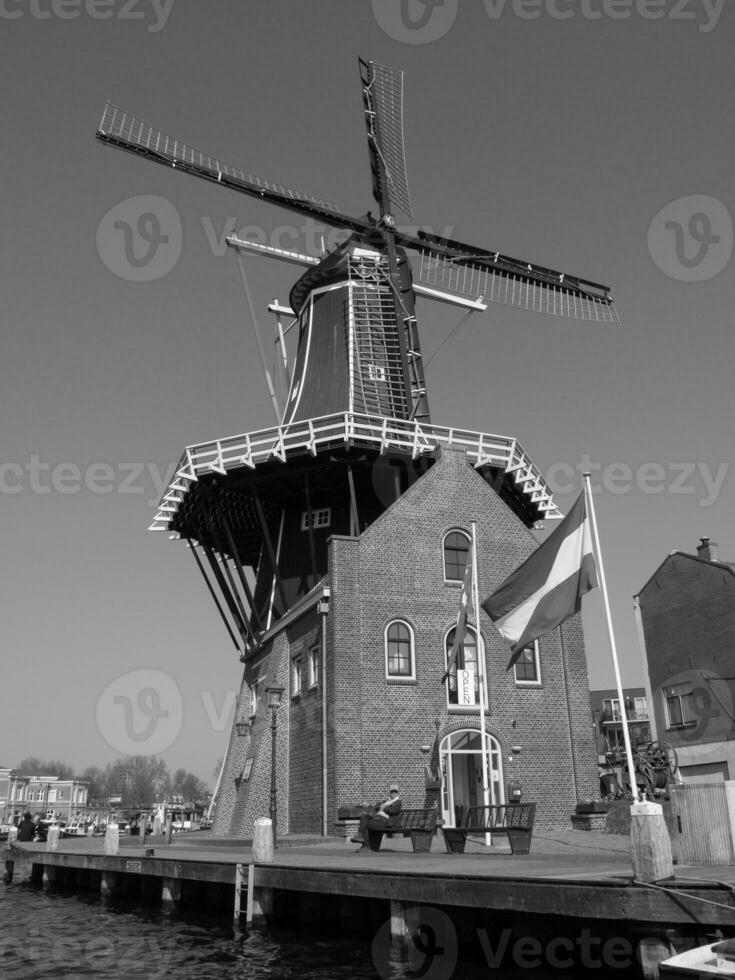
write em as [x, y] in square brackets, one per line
[613, 713]
[321, 517]
[462, 533]
[254, 697]
[686, 721]
[314, 665]
[394, 678]
[296, 675]
[526, 682]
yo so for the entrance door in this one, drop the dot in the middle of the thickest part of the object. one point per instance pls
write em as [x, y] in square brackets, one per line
[460, 757]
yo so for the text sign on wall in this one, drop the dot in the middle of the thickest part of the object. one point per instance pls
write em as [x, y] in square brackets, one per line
[466, 687]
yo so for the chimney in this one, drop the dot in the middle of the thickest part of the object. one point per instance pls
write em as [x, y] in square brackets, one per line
[707, 550]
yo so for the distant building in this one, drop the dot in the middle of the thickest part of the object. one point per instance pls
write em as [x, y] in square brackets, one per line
[687, 619]
[608, 724]
[64, 799]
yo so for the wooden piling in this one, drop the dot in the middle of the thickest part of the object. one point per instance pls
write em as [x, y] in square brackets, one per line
[238, 892]
[170, 892]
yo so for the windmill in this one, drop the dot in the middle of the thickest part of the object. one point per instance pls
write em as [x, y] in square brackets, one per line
[357, 401]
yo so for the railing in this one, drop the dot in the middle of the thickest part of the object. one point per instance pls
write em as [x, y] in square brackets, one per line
[351, 429]
[613, 717]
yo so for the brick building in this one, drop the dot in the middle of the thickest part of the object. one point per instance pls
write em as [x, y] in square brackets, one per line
[687, 615]
[48, 795]
[375, 629]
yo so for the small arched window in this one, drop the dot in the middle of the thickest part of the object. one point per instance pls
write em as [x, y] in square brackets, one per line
[399, 651]
[466, 660]
[456, 553]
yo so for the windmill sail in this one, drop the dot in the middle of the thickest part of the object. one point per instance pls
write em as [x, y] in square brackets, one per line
[511, 284]
[127, 132]
[383, 98]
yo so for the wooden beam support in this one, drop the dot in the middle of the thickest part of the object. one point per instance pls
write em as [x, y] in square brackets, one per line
[354, 518]
[231, 604]
[244, 617]
[241, 572]
[213, 594]
[310, 522]
[270, 549]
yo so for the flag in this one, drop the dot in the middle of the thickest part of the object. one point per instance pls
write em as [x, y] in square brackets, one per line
[464, 602]
[548, 587]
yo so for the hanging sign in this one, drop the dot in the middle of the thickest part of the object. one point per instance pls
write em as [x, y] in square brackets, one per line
[466, 687]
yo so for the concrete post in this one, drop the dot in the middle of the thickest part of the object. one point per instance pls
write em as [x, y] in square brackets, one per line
[112, 839]
[263, 841]
[650, 847]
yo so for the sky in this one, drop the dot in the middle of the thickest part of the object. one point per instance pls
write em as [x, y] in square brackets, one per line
[594, 137]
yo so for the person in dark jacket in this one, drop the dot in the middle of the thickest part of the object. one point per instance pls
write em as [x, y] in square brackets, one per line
[26, 828]
[382, 818]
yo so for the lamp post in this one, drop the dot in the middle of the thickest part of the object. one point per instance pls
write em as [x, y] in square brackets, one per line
[273, 695]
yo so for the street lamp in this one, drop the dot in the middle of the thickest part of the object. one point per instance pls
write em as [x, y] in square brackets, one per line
[273, 696]
[242, 728]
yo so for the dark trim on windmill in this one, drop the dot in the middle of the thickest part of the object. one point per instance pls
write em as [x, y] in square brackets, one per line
[233, 589]
[354, 514]
[270, 549]
[241, 571]
[217, 603]
[242, 626]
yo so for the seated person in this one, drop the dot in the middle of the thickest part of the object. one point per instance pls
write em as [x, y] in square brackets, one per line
[383, 818]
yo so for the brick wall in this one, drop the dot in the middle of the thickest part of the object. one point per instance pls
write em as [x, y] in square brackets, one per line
[688, 615]
[395, 570]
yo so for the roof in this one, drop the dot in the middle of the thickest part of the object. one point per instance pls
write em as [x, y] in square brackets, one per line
[724, 565]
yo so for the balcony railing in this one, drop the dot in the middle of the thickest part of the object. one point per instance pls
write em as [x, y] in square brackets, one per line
[614, 717]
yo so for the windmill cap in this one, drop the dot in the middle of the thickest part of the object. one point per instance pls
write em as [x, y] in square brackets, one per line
[394, 786]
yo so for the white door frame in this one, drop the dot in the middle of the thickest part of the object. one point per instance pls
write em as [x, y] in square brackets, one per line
[495, 773]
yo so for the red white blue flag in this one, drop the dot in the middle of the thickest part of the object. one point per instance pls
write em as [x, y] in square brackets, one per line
[548, 587]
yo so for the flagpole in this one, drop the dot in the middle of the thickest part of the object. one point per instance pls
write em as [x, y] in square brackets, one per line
[482, 682]
[611, 635]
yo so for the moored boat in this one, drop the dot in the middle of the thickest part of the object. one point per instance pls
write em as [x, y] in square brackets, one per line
[714, 960]
[74, 830]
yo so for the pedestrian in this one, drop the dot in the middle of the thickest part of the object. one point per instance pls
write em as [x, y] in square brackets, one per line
[26, 828]
[383, 817]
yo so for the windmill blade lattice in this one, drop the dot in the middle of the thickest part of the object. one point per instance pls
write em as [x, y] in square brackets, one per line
[127, 132]
[538, 293]
[383, 97]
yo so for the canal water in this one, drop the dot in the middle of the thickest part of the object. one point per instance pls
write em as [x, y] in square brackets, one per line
[48, 935]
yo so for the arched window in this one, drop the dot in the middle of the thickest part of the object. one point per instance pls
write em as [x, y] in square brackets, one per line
[456, 552]
[399, 651]
[466, 660]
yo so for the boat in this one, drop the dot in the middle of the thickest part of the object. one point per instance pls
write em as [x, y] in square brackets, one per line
[74, 830]
[714, 960]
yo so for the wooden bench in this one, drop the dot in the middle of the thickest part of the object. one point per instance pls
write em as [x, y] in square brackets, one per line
[418, 824]
[514, 820]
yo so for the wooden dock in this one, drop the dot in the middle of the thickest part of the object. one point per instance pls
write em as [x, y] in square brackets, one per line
[573, 881]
